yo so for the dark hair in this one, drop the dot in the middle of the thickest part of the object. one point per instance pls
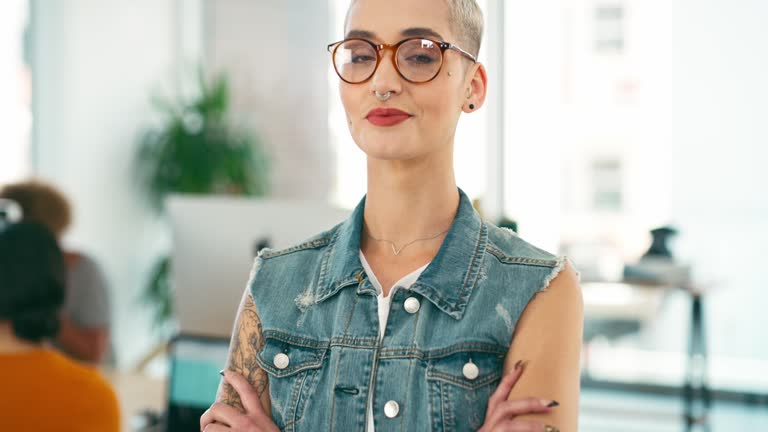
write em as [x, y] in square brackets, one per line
[32, 280]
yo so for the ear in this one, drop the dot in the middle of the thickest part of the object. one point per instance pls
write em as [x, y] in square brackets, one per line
[477, 84]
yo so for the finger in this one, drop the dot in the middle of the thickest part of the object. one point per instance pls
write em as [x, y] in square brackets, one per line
[245, 390]
[503, 389]
[217, 428]
[206, 419]
[513, 408]
[522, 426]
[505, 386]
[219, 412]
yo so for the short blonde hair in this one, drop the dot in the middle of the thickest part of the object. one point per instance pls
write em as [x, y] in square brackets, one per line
[41, 203]
[467, 23]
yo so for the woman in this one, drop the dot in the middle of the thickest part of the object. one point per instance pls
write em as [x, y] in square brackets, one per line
[85, 319]
[414, 314]
[41, 389]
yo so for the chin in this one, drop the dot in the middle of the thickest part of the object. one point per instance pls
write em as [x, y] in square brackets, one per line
[387, 149]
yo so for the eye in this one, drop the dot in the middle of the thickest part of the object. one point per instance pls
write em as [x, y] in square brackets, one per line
[421, 59]
[362, 59]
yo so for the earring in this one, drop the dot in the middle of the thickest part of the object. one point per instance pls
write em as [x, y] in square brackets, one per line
[449, 73]
[471, 106]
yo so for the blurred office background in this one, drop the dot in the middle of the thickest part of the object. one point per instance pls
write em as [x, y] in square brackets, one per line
[605, 119]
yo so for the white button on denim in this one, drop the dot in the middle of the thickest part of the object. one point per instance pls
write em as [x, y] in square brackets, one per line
[470, 370]
[281, 361]
[412, 305]
[391, 409]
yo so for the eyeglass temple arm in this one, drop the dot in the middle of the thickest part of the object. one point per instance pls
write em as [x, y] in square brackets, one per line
[464, 53]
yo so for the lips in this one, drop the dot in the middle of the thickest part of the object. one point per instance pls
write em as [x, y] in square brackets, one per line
[387, 116]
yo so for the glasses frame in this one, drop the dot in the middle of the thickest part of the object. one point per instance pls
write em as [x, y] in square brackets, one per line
[380, 48]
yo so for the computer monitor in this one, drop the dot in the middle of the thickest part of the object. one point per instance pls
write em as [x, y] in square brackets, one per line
[195, 362]
[215, 240]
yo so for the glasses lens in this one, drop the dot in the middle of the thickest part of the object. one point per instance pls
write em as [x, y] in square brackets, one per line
[355, 61]
[419, 60]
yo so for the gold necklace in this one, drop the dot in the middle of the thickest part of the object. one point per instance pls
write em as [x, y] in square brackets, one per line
[396, 250]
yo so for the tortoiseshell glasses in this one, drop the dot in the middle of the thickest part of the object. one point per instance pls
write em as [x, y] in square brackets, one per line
[417, 60]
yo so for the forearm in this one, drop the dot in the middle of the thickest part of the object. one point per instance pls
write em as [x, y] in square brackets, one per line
[247, 342]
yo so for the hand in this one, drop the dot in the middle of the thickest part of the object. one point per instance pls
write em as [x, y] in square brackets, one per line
[501, 413]
[222, 417]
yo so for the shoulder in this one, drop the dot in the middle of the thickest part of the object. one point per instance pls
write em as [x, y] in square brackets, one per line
[302, 255]
[509, 248]
[88, 380]
[86, 273]
[513, 252]
[84, 262]
[316, 242]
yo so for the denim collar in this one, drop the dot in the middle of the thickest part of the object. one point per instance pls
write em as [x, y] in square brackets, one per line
[447, 281]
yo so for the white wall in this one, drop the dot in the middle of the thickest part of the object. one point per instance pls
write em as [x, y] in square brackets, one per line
[274, 53]
[94, 65]
[534, 46]
[14, 86]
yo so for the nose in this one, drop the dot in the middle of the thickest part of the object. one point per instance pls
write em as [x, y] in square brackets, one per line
[386, 78]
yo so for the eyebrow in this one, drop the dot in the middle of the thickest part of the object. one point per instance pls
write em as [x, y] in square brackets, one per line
[409, 32]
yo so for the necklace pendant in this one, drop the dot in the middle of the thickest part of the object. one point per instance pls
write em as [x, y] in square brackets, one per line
[397, 251]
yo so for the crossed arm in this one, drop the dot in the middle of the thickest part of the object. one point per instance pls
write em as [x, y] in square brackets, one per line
[547, 340]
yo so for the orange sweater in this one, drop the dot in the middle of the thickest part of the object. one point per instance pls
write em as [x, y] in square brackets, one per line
[43, 391]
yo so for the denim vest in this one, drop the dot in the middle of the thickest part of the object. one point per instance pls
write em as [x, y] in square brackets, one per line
[444, 343]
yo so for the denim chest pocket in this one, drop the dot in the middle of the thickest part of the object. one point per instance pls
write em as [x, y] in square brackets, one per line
[293, 369]
[459, 387]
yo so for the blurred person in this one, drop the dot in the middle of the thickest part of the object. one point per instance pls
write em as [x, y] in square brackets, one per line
[85, 320]
[42, 390]
[414, 314]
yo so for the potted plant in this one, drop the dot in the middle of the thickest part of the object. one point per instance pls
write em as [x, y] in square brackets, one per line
[195, 150]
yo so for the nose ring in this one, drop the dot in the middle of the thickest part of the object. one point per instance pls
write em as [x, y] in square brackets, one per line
[383, 97]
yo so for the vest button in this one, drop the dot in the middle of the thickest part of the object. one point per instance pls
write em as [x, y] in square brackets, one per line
[391, 409]
[411, 305]
[281, 361]
[470, 370]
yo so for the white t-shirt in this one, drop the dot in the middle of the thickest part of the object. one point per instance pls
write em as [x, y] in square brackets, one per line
[384, 303]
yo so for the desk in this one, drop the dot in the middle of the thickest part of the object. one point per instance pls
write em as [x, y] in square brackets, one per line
[626, 300]
[616, 300]
[136, 392]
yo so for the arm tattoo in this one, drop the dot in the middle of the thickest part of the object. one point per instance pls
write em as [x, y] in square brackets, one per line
[246, 344]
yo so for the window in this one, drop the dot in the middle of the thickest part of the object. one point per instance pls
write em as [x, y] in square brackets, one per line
[588, 176]
[606, 184]
[609, 29]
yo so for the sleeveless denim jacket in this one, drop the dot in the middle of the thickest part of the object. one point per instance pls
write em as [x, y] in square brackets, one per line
[441, 355]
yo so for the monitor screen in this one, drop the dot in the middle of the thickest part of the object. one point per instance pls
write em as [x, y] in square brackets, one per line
[195, 363]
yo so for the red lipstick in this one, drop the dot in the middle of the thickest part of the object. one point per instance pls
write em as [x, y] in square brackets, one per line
[387, 116]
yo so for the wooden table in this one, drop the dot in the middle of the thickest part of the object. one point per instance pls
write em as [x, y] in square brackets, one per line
[136, 392]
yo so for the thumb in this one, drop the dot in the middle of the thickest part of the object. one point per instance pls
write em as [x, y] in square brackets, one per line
[248, 395]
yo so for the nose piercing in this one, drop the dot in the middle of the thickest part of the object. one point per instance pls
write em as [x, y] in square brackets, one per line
[383, 97]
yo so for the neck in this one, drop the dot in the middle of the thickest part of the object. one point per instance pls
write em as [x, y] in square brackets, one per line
[9, 343]
[409, 200]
